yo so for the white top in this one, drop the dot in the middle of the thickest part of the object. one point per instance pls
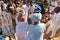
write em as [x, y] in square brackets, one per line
[31, 9]
[54, 3]
[56, 18]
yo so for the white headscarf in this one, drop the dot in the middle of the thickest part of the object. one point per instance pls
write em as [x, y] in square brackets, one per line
[36, 17]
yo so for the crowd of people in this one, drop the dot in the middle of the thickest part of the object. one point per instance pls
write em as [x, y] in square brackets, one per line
[29, 21]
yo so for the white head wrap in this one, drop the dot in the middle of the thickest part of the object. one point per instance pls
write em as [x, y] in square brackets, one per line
[36, 17]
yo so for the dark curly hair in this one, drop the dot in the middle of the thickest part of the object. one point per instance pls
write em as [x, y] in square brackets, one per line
[57, 9]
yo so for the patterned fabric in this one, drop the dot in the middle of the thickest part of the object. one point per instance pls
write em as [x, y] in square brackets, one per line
[7, 26]
[37, 8]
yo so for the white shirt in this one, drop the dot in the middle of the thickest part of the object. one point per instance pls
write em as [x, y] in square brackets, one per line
[31, 9]
[56, 18]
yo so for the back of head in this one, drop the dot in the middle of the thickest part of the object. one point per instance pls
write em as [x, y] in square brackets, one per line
[21, 18]
[57, 9]
[36, 18]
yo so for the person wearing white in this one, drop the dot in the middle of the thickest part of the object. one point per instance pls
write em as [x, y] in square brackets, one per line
[55, 24]
[31, 9]
[21, 28]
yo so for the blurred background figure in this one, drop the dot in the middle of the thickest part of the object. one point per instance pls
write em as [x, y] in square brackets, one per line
[21, 26]
[19, 6]
[11, 6]
[40, 3]
[58, 3]
[52, 5]
[25, 8]
[31, 8]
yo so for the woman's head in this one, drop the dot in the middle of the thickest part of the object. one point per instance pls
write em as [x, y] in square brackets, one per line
[21, 18]
[57, 9]
[36, 18]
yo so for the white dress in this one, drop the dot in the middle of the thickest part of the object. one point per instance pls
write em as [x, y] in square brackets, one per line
[21, 30]
[54, 25]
